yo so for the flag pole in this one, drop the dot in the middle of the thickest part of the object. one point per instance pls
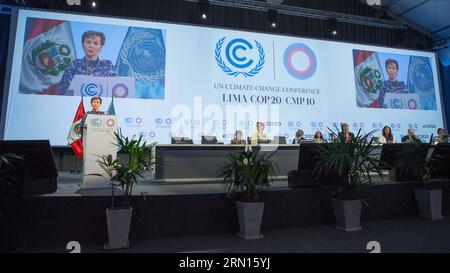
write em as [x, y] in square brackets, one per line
[75, 170]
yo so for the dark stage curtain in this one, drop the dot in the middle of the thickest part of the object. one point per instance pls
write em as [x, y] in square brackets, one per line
[186, 12]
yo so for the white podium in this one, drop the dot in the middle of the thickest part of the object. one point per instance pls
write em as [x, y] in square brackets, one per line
[98, 140]
[89, 86]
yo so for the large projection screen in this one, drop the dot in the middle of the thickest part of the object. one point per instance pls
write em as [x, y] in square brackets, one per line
[172, 80]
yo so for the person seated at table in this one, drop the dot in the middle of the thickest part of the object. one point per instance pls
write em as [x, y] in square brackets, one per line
[441, 137]
[238, 138]
[410, 137]
[346, 133]
[298, 137]
[386, 135]
[318, 137]
[259, 135]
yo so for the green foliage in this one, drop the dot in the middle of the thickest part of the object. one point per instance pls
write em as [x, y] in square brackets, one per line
[416, 158]
[248, 171]
[355, 160]
[126, 174]
[8, 172]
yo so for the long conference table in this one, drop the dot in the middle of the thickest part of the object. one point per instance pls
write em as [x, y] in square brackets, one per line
[202, 163]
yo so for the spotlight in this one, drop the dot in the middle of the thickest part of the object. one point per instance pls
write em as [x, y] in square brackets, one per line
[203, 9]
[272, 18]
[93, 4]
[332, 26]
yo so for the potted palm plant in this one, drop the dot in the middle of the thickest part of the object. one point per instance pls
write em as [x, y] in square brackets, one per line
[247, 172]
[355, 160]
[416, 159]
[124, 175]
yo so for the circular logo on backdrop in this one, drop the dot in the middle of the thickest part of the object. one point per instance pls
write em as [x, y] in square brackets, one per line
[239, 61]
[96, 122]
[120, 90]
[396, 103]
[110, 122]
[143, 55]
[300, 61]
[412, 104]
[91, 89]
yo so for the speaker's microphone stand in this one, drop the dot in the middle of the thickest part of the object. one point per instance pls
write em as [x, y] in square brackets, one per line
[75, 170]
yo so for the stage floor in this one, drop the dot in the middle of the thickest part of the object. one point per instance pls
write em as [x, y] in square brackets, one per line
[72, 185]
[406, 235]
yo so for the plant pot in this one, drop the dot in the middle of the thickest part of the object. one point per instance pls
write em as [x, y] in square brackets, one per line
[430, 203]
[250, 217]
[348, 214]
[118, 221]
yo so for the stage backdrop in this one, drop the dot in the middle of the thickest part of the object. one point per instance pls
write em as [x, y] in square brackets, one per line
[185, 81]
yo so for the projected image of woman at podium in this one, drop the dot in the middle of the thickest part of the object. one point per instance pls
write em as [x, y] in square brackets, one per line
[90, 64]
[392, 85]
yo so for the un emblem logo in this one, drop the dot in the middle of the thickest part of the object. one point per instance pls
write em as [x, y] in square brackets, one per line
[235, 52]
[96, 122]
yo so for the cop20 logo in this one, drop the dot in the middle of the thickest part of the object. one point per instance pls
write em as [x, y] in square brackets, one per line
[120, 90]
[91, 89]
[302, 67]
[240, 64]
[412, 104]
[110, 122]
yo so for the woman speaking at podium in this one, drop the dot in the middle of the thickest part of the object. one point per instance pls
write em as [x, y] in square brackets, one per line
[96, 102]
[90, 64]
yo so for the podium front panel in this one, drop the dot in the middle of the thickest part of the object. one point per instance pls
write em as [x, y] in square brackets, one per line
[98, 140]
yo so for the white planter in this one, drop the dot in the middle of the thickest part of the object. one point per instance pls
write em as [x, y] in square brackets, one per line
[430, 203]
[118, 221]
[348, 214]
[250, 217]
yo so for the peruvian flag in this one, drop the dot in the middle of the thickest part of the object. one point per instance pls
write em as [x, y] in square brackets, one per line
[74, 137]
[48, 50]
[368, 77]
